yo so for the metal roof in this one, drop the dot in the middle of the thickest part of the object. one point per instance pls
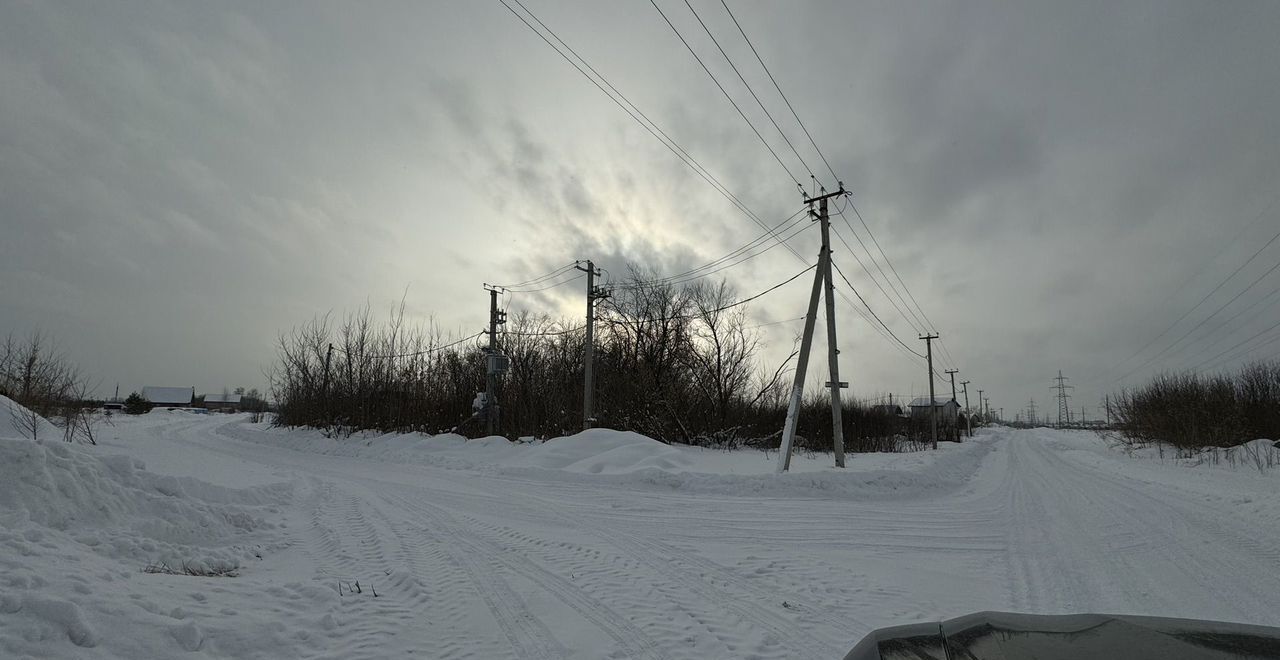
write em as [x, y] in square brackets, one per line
[168, 395]
[923, 402]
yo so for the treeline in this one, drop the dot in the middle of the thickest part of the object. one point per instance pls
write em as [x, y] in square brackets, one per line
[1192, 411]
[675, 363]
[38, 376]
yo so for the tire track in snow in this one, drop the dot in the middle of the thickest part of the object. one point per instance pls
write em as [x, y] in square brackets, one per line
[733, 595]
[630, 639]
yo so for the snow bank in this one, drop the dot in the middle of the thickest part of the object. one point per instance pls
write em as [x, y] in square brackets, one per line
[64, 509]
[629, 459]
[18, 422]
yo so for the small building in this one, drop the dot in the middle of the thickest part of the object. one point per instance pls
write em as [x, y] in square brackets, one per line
[222, 402]
[169, 397]
[948, 409]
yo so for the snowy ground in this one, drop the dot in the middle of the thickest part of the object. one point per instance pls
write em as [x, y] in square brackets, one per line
[599, 546]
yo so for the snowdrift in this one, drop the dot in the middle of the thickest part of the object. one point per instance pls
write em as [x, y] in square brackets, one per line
[629, 459]
[14, 421]
[64, 509]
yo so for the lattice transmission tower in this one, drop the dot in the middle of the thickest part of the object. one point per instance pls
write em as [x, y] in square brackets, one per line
[1064, 409]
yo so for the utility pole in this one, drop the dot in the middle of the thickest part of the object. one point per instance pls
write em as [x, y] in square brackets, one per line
[1064, 411]
[1031, 411]
[833, 364]
[968, 414]
[984, 417]
[821, 277]
[933, 404]
[952, 373]
[594, 293]
[492, 367]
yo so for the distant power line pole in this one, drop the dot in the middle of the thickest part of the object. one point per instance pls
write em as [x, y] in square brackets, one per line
[967, 413]
[1064, 410]
[952, 373]
[594, 293]
[1031, 412]
[821, 280]
[933, 405]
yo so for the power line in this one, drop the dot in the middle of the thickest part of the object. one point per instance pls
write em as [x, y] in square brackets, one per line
[725, 92]
[548, 286]
[433, 349]
[748, 257]
[635, 113]
[1188, 313]
[779, 228]
[872, 277]
[1238, 345]
[1258, 309]
[731, 305]
[873, 313]
[1205, 319]
[780, 92]
[765, 325]
[749, 89]
[551, 333]
[536, 279]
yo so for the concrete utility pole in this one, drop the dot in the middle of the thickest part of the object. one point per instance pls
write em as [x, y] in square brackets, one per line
[496, 317]
[821, 277]
[967, 413]
[594, 293]
[933, 404]
[833, 364]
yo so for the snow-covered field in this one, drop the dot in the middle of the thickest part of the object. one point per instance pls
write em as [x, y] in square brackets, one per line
[602, 545]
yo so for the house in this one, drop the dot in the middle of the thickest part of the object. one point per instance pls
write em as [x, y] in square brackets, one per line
[948, 409]
[169, 397]
[223, 402]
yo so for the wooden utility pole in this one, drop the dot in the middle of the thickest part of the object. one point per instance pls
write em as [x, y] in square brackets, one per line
[933, 405]
[589, 348]
[984, 417]
[968, 414]
[821, 276]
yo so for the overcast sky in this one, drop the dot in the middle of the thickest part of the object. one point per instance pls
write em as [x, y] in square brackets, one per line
[1056, 183]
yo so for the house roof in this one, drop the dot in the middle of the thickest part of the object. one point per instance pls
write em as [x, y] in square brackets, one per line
[222, 398]
[923, 402]
[177, 395]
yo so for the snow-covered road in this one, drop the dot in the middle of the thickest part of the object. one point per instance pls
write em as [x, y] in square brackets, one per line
[479, 562]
